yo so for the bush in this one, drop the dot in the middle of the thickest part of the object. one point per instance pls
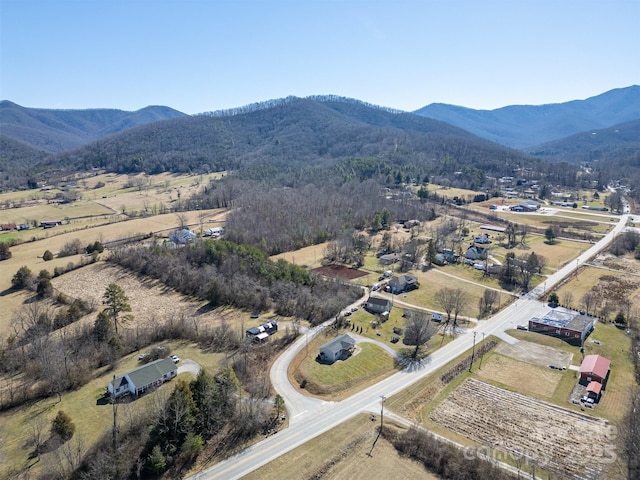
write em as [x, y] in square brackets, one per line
[95, 247]
[71, 248]
[63, 426]
[47, 255]
[5, 253]
[23, 278]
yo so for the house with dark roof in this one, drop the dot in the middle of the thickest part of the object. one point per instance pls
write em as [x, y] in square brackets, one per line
[143, 379]
[403, 283]
[475, 252]
[389, 259]
[377, 305]
[566, 325]
[594, 368]
[339, 348]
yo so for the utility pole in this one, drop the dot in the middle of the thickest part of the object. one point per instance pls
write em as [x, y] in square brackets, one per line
[382, 399]
[114, 402]
[473, 351]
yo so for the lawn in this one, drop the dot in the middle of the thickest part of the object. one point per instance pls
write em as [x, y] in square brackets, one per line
[344, 452]
[369, 364]
[92, 418]
[575, 287]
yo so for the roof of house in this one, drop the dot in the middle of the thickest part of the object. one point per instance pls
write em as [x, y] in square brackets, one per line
[403, 280]
[594, 387]
[148, 373]
[595, 364]
[338, 344]
[475, 250]
[383, 302]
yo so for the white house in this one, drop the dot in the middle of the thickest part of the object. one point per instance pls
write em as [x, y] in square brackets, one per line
[339, 347]
[144, 378]
[183, 236]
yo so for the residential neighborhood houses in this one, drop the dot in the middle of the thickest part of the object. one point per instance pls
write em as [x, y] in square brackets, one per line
[142, 379]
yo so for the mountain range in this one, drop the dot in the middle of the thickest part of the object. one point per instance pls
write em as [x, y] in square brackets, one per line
[525, 126]
[317, 132]
[58, 130]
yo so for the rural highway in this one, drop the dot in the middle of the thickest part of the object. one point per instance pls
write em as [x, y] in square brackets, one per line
[310, 417]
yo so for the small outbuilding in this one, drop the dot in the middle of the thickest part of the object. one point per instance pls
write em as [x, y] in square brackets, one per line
[339, 348]
[593, 390]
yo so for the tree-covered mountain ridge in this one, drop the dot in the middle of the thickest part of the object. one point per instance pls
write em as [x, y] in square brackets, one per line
[289, 133]
[56, 130]
[524, 126]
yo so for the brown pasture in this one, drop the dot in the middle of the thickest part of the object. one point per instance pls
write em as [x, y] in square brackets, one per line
[344, 452]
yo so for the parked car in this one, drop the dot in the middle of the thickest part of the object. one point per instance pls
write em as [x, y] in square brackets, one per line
[175, 358]
[255, 315]
[142, 356]
[522, 327]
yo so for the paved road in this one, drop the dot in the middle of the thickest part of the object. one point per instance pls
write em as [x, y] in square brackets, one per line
[310, 417]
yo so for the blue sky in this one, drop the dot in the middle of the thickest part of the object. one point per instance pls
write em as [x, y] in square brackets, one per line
[206, 55]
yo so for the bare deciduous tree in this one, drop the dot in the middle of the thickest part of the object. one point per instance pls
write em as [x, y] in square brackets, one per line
[418, 331]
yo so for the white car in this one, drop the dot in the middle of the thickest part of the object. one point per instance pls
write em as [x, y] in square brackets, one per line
[175, 358]
[142, 356]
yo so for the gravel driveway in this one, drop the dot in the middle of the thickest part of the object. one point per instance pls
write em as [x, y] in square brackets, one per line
[189, 366]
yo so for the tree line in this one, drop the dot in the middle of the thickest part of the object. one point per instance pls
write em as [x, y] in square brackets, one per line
[223, 272]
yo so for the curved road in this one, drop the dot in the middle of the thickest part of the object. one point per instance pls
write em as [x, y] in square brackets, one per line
[310, 417]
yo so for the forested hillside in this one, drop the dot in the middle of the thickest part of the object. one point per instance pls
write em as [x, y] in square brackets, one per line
[16, 160]
[290, 133]
[59, 130]
[621, 142]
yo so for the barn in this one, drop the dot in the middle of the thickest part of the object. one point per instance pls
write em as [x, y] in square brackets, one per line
[594, 368]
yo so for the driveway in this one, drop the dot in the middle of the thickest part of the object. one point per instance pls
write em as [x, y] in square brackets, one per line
[189, 366]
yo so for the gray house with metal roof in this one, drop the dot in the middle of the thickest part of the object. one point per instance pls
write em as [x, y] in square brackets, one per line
[142, 379]
[339, 347]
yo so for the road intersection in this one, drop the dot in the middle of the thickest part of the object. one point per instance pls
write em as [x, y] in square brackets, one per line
[310, 417]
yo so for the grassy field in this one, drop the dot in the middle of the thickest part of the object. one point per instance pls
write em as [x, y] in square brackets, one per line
[509, 372]
[92, 418]
[578, 285]
[30, 254]
[345, 452]
[369, 364]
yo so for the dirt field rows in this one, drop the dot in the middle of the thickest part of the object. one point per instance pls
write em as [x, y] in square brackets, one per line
[553, 438]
